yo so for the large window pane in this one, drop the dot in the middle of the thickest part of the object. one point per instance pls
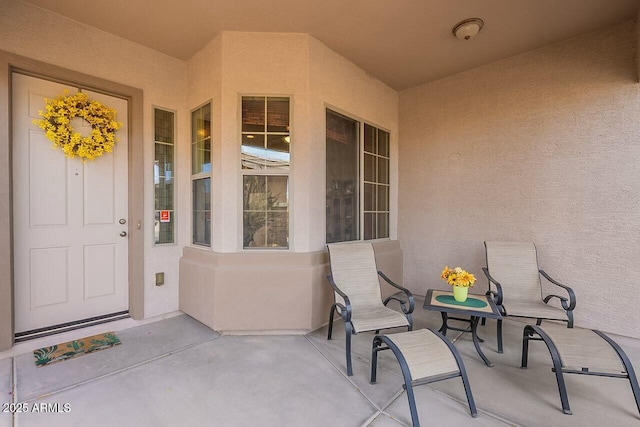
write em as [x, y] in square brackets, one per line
[347, 140]
[342, 178]
[265, 211]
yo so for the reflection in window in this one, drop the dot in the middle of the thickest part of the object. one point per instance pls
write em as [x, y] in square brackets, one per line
[342, 178]
[265, 132]
[201, 174]
[202, 211]
[163, 176]
[266, 211]
[357, 197]
[201, 140]
[266, 139]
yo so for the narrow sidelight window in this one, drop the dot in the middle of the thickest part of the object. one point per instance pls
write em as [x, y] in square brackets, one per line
[376, 183]
[201, 174]
[164, 176]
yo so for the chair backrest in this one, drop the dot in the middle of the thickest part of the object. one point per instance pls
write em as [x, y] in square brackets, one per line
[353, 268]
[515, 266]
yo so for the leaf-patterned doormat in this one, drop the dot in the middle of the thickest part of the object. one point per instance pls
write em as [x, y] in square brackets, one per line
[47, 355]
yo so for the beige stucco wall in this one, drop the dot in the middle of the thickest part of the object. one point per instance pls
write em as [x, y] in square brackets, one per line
[543, 147]
[261, 292]
[235, 290]
[44, 36]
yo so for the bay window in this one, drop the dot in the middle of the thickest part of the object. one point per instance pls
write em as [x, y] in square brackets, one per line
[357, 180]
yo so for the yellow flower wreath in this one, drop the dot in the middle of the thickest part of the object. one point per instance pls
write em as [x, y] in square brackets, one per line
[56, 122]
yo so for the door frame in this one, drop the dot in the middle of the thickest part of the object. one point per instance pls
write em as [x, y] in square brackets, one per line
[10, 63]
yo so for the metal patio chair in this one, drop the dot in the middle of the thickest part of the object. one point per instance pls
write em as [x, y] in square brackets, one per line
[512, 268]
[357, 295]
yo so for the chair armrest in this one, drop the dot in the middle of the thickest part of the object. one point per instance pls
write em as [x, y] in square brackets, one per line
[345, 312]
[406, 292]
[497, 294]
[563, 301]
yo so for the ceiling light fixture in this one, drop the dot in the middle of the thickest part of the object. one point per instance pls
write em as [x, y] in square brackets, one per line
[467, 29]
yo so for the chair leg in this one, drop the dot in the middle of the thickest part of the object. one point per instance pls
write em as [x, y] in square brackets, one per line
[406, 375]
[374, 358]
[467, 390]
[412, 403]
[331, 313]
[633, 380]
[526, 335]
[483, 321]
[499, 333]
[557, 364]
[348, 328]
[463, 374]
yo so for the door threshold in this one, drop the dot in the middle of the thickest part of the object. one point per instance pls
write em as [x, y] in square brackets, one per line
[69, 326]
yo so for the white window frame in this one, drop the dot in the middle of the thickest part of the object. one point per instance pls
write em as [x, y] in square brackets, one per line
[375, 183]
[201, 175]
[361, 180]
[175, 181]
[267, 172]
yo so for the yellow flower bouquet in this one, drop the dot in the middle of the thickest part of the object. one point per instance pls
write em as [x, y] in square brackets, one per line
[56, 122]
[458, 277]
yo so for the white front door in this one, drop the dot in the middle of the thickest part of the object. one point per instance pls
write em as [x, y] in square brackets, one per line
[70, 260]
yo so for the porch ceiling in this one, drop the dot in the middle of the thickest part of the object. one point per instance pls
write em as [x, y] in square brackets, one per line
[404, 43]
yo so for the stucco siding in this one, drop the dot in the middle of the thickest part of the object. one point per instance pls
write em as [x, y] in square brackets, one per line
[543, 147]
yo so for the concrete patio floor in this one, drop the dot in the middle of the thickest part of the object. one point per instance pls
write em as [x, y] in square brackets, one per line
[177, 372]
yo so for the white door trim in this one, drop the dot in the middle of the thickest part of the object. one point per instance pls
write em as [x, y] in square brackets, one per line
[10, 63]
